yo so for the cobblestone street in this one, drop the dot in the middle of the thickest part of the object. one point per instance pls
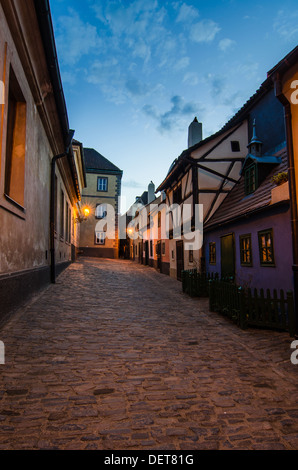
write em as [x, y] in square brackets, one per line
[114, 356]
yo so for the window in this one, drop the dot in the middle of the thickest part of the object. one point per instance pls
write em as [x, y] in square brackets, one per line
[235, 145]
[212, 253]
[101, 211]
[15, 143]
[266, 248]
[66, 223]
[151, 248]
[250, 179]
[177, 195]
[62, 214]
[69, 225]
[102, 184]
[245, 250]
[163, 248]
[190, 256]
[100, 238]
[56, 203]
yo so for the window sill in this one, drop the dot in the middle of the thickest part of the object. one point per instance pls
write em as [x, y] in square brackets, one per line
[13, 207]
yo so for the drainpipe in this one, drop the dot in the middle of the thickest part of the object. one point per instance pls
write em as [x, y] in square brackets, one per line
[52, 205]
[292, 187]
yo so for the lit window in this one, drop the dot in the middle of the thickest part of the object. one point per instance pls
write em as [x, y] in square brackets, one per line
[102, 184]
[266, 248]
[15, 143]
[212, 253]
[100, 238]
[245, 250]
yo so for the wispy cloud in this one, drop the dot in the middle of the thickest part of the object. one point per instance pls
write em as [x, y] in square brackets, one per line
[225, 44]
[187, 13]
[137, 87]
[286, 25]
[169, 120]
[204, 31]
[75, 38]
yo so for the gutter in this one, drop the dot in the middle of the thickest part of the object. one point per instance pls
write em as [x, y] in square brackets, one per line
[43, 13]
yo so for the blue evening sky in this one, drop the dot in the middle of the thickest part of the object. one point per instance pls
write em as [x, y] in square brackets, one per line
[135, 73]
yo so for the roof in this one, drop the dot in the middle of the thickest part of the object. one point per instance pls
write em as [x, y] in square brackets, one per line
[95, 161]
[284, 64]
[237, 204]
[237, 119]
[44, 18]
[265, 159]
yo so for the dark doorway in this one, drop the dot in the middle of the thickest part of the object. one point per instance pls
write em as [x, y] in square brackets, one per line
[158, 254]
[228, 255]
[146, 261]
[180, 259]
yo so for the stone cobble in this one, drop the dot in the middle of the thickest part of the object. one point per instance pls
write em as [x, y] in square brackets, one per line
[115, 357]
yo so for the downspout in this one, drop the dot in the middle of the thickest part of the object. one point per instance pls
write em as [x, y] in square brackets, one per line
[292, 188]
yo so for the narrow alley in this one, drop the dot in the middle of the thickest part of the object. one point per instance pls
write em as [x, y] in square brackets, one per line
[115, 357]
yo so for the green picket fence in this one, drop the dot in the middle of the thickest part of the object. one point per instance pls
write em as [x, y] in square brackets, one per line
[196, 284]
[248, 307]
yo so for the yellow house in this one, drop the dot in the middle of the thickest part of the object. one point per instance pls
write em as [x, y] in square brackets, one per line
[285, 78]
[101, 198]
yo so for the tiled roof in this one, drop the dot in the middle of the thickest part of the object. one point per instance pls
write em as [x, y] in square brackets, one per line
[237, 204]
[95, 161]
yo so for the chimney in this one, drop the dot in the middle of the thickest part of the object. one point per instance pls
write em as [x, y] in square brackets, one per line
[151, 192]
[195, 133]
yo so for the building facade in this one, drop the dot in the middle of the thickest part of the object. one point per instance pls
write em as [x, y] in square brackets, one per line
[101, 197]
[248, 238]
[40, 178]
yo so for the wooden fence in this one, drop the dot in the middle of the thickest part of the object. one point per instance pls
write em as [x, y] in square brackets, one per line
[246, 307]
[249, 307]
[196, 284]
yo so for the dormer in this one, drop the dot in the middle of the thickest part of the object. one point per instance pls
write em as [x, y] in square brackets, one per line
[256, 166]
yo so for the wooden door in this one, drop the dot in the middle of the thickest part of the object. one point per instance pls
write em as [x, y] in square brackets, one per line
[228, 255]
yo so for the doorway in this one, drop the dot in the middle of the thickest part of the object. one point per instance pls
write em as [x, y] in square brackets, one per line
[180, 259]
[228, 255]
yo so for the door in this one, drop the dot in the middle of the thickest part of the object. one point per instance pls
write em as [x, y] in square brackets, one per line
[158, 254]
[180, 259]
[228, 256]
[146, 253]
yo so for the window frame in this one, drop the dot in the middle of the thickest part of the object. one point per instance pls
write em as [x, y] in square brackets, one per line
[212, 254]
[262, 262]
[251, 185]
[103, 212]
[244, 251]
[103, 240]
[101, 178]
[235, 146]
[16, 128]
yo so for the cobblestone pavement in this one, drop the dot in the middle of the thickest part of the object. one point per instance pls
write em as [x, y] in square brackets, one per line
[115, 357]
